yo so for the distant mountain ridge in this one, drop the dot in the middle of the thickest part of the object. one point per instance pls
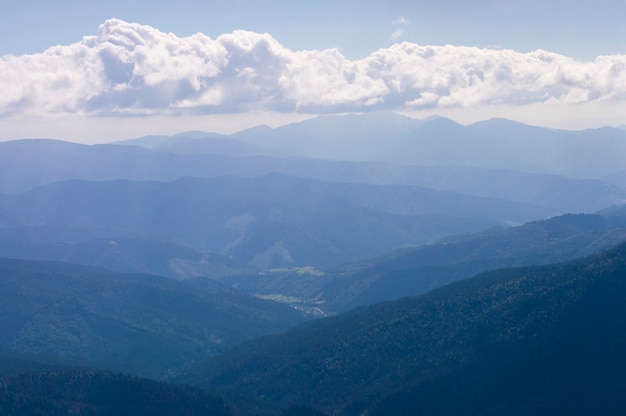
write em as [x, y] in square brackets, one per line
[491, 144]
[194, 142]
[268, 221]
[26, 164]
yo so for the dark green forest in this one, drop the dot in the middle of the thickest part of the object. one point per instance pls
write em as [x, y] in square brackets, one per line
[517, 341]
[56, 393]
[530, 340]
[142, 324]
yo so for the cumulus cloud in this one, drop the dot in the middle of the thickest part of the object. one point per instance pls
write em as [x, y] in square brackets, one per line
[134, 69]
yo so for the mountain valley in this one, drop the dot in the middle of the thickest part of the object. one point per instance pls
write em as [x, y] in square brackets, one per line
[368, 264]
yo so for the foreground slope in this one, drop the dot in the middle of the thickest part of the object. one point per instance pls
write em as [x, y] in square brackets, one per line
[552, 326]
[142, 324]
[80, 392]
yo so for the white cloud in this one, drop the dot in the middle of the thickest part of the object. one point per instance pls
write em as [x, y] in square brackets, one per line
[397, 34]
[401, 21]
[129, 68]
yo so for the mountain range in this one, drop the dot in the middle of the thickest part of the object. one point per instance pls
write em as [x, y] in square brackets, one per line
[264, 222]
[436, 141]
[26, 164]
[498, 144]
[367, 264]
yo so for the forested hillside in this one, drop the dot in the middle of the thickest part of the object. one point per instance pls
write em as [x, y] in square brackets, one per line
[529, 336]
[142, 324]
[103, 394]
[413, 271]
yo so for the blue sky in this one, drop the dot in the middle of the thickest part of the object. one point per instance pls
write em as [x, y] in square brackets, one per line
[579, 29]
[274, 82]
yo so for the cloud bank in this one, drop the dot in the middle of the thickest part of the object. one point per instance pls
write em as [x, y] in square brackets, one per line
[134, 69]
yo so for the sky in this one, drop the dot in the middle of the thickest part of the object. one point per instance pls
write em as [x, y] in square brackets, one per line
[102, 71]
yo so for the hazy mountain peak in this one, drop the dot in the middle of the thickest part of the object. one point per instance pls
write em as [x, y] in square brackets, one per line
[261, 129]
[161, 141]
[195, 134]
[40, 144]
[500, 122]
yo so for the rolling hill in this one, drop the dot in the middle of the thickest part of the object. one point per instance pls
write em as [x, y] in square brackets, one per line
[142, 324]
[263, 222]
